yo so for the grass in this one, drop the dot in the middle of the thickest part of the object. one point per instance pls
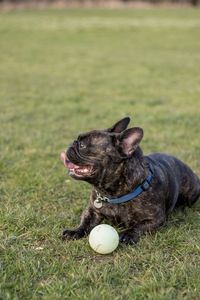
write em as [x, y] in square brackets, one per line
[66, 72]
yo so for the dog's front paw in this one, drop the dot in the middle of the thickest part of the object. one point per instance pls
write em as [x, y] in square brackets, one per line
[128, 238]
[72, 234]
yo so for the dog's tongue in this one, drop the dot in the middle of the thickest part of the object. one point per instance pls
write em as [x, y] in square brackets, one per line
[67, 163]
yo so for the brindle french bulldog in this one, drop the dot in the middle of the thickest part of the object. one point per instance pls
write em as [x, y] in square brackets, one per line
[112, 162]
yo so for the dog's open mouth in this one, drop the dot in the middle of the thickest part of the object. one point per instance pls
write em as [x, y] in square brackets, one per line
[75, 169]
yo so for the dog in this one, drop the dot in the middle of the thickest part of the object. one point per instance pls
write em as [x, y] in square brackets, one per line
[130, 190]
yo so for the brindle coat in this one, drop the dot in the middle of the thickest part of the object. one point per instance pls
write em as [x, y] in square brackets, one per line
[118, 166]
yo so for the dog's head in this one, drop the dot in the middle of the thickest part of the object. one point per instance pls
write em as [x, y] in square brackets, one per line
[96, 155]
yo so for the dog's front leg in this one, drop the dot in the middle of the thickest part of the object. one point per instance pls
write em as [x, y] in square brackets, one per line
[89, 219]
[132, 235]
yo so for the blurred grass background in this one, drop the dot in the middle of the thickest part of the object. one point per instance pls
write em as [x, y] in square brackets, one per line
[63, 72]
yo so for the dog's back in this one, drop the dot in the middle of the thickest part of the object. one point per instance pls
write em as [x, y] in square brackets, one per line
[183, 183]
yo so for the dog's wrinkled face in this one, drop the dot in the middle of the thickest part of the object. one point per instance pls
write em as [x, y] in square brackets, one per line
[94, 154]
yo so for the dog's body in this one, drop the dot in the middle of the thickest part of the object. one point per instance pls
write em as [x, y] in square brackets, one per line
[112, 161]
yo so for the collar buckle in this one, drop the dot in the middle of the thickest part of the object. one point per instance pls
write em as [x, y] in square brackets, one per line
[145, 185]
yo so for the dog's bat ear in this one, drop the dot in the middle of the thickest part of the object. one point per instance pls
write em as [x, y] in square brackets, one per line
[119, 126]
[130, 139]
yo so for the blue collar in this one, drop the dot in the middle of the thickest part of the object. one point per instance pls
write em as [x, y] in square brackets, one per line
[136, 192]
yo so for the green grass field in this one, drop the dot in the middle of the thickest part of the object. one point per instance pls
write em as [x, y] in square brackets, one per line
[66, 72]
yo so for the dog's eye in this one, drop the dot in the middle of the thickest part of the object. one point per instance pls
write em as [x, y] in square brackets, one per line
[82, 145]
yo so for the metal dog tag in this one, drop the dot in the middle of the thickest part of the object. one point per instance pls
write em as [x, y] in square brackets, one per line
[98, 204]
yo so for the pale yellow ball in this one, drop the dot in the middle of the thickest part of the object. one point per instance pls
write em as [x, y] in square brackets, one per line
[103, 239]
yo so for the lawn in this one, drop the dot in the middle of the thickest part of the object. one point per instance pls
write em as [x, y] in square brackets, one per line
[66, 72]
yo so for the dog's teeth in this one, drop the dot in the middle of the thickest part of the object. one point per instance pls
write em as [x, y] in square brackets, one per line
[79, 170]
